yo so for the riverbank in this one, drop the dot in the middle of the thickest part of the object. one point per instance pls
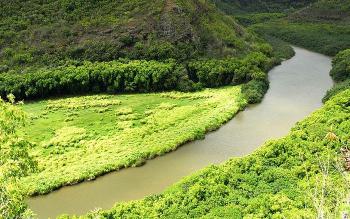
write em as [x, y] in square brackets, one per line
[239, 137]
[81, 138]
[301, 174]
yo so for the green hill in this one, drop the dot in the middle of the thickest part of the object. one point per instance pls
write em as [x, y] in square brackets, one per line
[322, 25]
[250, 6]
[325, 11]
[52, 33]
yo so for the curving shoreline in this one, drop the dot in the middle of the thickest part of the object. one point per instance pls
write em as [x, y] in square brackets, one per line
[307, 73]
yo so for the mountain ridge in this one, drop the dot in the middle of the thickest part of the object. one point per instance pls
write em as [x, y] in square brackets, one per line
[51, 33]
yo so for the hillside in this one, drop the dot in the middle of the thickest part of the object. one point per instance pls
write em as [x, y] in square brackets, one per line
[88, 87]
[322, 26]
[251, 6]
[324, 11]
[51, 33]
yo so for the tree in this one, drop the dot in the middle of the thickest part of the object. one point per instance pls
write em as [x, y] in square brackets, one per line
[15, 161]
[341, 66]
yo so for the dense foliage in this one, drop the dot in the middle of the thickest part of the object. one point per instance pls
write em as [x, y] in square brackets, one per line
[115, 76]
[340, 73]
[281, 49]
[85, 129]
[337, 88]
[250, 70]
[51, 33]
[341, 66]
[15, 161]
[298, 176]
[328, 11]
[65, 47]
[251, 6]
[136, 76]
[325, 38]
[255, 18]
[322, 26]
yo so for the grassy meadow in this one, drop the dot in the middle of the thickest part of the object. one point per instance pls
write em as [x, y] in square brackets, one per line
[79, 138]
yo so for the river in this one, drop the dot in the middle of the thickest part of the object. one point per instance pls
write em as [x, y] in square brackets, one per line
[296, 89]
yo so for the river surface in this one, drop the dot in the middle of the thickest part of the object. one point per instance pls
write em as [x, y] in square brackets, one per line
[296, 89]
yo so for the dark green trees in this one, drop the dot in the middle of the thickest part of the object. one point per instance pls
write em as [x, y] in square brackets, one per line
[341, 66]
[137, 76]
[340, 73]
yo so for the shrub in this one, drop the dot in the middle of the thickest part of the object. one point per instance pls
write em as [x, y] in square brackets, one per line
[254, 90]
[341, 66]
[214, 72]
[340, 73]
[337, 88]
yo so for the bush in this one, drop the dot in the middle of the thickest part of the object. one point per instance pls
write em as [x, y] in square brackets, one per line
[340, 73]
[337, 88]
[214, 73]
[254, 90]
[341, 66]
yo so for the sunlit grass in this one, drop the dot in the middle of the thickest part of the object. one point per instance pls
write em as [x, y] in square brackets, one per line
[80, 138]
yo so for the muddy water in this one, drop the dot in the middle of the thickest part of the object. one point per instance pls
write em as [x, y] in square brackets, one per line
[296, 89]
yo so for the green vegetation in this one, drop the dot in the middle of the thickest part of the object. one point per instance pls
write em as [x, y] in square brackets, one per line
[328, 11]
[341, 66]
[80, 138]
[89, 47]
[325, 38]
[298, 176]
[250, 70]
[320, 25]
[15, 161]
[58, 48]
[340, 73]
[138, 76]
[114, 76]
[281, 49]
[252, 6]
[53, 33]
[256, 18]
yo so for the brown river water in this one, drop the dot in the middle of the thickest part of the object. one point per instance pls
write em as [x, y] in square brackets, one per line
[296, 89]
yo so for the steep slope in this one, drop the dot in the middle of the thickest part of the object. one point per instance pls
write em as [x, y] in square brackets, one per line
[51, 33]
[324, 11]
[322, 26]
[250, 6]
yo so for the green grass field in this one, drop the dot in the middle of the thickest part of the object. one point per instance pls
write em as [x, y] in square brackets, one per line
[80, 138]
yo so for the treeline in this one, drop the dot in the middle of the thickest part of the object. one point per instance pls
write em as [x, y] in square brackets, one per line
[115, 76]
[135, 76]
[340, 73]
[250, 70]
